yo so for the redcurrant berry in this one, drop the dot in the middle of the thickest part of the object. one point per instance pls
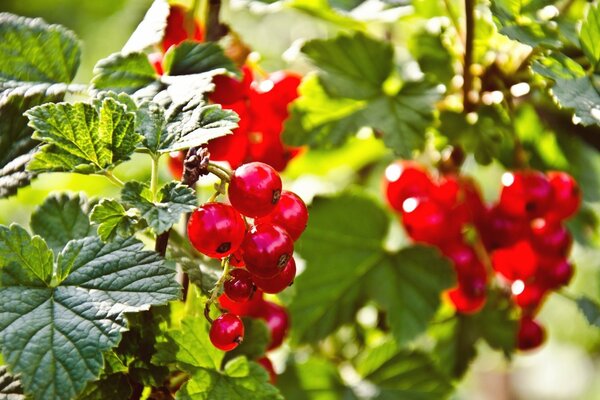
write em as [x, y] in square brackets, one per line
[227, 332]
[404, 179]
[567, 195]
[156, 60]
[175, 163]
[268, 366]
[280, 281]
[230, 90]
[216, 229]
[531, 297]
[526, 194]
[555, 272]
[550, 238]
[462, 255]
[254, 189]
[277, 320]
[290, 214]
[175, 32]
[267, 249]
[465, 304]
[425, 221]
[517, 262]
[236, 259]
[250, 307]
[531, 334]
[499, 230]
[239, 287]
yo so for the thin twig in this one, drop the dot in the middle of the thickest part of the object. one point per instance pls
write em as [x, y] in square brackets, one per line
[468, 57]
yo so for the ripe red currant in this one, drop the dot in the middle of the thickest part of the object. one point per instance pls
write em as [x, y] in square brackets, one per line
[550, 237]
[526, 194]
[567, 195]
[268, 366]
[227, 332]
[425, 221]
[249, 307]
[254, 189]
[462, 255]
[531, 334]
[175, 164]
[404, 179]
[277, 320]
[267, 249]
[531, 297]
[156, 60]
[239, 287]
[290, 214]
[500, 230]
[230, 90]
[555, 271]
[280, 281]
[237, 258]
[216, 229]
[517, 262]
[465, 304]
[175, 32]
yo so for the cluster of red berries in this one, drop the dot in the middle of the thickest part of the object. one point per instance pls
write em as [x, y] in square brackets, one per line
[261, 252]
[524, 244]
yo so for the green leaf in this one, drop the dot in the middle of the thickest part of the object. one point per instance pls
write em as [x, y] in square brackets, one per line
[432, 55]
[322, 9]
[54, 336]
[590, 309]
[589, 36]
[151, 124]
[113, 386]
[113, 220]
[10, 386]
[81, 138]
[358, 266]
[14, 175]
[124, 73]
[174, 200]
[256, 340]
[402, 374]
[194, 58]
[62, 218]
[351, 66]
[151, 30]
[313, 379]
[33, 51]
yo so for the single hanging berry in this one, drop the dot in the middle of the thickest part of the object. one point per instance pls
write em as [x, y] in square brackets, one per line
[277, 321]
[216, 229]
[267, 249]
[279, 282]
[531, 334]
[526, 194]
[254, 189]
[227, 332]
[404, 179]
[290, 214]
[567, 195]
[239, 287]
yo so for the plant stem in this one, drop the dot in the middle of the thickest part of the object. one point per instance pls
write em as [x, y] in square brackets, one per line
[214, 29]
[111, 177]
[162, 240]
[217, 289]
[219, 172]
[154, 177]
[468, 57]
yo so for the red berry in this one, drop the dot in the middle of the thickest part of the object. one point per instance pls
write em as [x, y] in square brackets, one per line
[465, 304]
[517, 262]
[550, 237]
[280, 281]
[239, 287]
[404, 179]
[555, 272]
[531, 297]
[268, 366]
[230, 90]
[227, 332]
[277, 320]
[156, 61]
[531, 334]
[237, 258]
[283, 92]
[526, 194]
[425, 221]
[448, 192]
[290, 214]
[267, 249]
[250, 307]
[254, 189]
[216, 229]
[462, 255]
[499, 230]
[175, 164]
[567, 195]
[232, 148]
[175, 32]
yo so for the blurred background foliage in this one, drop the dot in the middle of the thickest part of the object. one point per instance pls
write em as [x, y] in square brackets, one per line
[568, 366]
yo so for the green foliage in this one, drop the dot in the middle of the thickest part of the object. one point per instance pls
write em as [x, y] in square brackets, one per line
[81, 138]
[347, 262]
[194, 58]
[10, 387]
[190, 349]
[114, 220]
[124, 73]
[151, 30]
[590, 309]
[402, 374]
[352, 92]
[590, 35]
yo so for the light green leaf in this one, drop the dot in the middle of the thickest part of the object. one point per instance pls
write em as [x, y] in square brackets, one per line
[124, 73]
[113, 220]
[322, 9]
[151, 124]
[589, 36]
[62, 218]
[174, 200]
[351, 66]
[33, 51]
[347, 263]
[151, 30]
[194, 58]
[402, 374]
[10, 386]
[590, 309]
[54, 337]
[80, 138]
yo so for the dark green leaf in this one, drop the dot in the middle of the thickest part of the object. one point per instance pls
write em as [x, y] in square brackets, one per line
[55, 328]
[62, 218]
[124, 73]
[80, 138]
[590, 309]
[589, 36]
[434, 58]
[151, 30]
[33, 51]
[351, 66]
[10, 387]
[313, 379]
[194, 58]
[403, 374]
[113, 220]
[151, 124]
[113, 386]
[175, 199]
[14, 175]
